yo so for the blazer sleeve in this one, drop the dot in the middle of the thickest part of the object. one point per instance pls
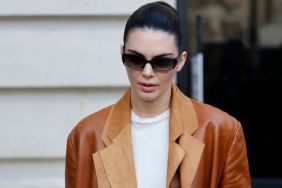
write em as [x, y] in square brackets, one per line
[79, 166]
[236, 169]
[70, 165]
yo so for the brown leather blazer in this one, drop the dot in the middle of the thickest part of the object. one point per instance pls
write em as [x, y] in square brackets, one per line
[207, 148]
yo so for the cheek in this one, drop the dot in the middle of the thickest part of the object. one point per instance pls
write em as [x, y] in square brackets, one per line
[167, 77]
[132, 74]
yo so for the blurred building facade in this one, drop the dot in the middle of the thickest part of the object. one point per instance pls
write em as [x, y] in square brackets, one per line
[59, 62]
[231, 19]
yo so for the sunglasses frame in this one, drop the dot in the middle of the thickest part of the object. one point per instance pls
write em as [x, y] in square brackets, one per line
[151, 62]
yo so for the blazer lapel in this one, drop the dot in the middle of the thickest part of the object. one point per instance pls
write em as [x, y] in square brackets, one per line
[118, 161]
[190, 163]
[176, 152]
[184, 150]
[117, 158]
[175, 156]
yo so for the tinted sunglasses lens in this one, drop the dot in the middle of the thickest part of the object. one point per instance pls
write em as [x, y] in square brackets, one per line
[133, 61]
[164, 64]
[158, 64]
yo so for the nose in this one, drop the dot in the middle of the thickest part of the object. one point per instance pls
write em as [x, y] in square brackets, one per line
[148, 71]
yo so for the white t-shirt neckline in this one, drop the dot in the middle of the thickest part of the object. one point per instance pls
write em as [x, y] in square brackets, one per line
[140, 121]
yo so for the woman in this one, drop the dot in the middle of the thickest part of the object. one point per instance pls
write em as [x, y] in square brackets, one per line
[155, 136]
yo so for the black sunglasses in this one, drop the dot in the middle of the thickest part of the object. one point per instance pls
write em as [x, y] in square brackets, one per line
[138, 62]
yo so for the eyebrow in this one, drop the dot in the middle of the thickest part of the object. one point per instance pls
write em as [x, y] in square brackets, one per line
[160, 55]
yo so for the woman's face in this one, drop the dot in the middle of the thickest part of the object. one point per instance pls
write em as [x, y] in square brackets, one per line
[148, 85]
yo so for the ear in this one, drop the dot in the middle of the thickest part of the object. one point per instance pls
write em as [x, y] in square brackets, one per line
[121, 49]
[181, 62]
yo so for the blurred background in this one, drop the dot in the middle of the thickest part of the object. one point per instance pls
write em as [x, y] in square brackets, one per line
[60, 61]
[241, 41]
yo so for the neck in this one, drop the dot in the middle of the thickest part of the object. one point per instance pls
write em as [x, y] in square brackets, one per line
[150, 108]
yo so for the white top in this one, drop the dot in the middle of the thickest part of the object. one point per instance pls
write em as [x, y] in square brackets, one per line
[150, 141]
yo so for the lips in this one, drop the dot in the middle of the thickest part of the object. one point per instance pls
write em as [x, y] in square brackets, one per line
[147, 87]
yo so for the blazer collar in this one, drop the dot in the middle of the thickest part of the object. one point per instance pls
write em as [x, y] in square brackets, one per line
[118, 119]
[184, 149]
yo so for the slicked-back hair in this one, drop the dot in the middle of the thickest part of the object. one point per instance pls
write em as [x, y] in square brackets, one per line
[157, 15]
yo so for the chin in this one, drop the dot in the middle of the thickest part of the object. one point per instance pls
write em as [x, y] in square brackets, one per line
[148, 97]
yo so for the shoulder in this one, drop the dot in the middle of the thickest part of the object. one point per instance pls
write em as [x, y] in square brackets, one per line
[218, 130]
[91, 125]
[224, 155]
[211, 117]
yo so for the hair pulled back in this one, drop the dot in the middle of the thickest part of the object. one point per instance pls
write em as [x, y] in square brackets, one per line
[157, 16]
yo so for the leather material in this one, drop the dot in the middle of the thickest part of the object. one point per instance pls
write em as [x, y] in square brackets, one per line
[207, 148]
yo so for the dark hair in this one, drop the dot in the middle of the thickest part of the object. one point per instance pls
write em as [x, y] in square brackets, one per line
[156, 15]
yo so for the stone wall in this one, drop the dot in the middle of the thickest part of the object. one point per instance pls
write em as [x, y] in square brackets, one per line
[59, 62]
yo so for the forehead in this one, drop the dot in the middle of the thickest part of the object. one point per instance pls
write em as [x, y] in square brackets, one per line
[151, 42]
